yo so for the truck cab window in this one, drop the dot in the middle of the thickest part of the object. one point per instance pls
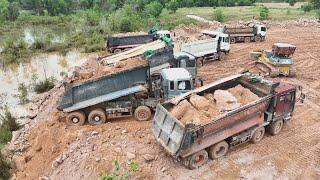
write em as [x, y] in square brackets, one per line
[226, 39]
[184, 85]
[171, 85]
[263, 29]
[183, 63]
[288, 97]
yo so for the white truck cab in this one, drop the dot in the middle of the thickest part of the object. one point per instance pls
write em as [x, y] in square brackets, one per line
[221, 37]
[175, 81]
[261, 30]
[165, 32]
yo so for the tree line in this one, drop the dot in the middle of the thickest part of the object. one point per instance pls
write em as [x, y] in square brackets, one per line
[9, 9]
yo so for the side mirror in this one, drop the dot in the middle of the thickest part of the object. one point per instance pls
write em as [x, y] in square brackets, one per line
[302, 95]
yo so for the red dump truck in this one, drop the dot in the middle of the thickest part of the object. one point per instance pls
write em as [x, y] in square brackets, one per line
[193, 144]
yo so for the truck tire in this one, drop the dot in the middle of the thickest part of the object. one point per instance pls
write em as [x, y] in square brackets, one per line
[275, 127]
[258, 135]
[247, 39]
[142, 113]
[116, 51]
[197, 159]
[222, 56]
[77, 118]
[218, 150]
[97, 116]
[257, 39]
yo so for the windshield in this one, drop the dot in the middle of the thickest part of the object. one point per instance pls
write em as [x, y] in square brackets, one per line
[184, 85]
[263, 29]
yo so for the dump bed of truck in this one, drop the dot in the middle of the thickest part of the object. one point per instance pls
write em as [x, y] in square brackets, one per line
[239, 30]
[129, 40]
[98, 90]
[201, 47]
[177, 138]
[137, 51]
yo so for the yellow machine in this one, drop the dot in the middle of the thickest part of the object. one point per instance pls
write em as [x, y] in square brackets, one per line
[277, 61]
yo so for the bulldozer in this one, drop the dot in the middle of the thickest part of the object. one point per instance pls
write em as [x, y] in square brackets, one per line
[277, 61]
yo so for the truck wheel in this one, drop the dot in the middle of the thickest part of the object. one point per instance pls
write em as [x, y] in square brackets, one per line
[258, 135]
[97, 116]
[76, 118]
[233, 40]
[247, 39]
[198, 159]
[218, 150]
[275, 127]
[116, 51]
[257, 38]
[142, 113]
[222, 56]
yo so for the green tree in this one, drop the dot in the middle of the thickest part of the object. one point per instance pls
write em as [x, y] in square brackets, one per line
[13, 11]
[315, 3]
[172, 5]
[264, 13]
[4, 9]
[153, 9]
[218, 15]
[291, 2]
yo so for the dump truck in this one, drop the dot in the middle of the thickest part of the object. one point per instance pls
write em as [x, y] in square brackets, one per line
[277, 61]
[192, 143]
[248, 34]
[127, 93]
[116, 44]
[214, 48]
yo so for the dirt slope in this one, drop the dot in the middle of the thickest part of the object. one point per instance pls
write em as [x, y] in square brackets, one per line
[48, 148]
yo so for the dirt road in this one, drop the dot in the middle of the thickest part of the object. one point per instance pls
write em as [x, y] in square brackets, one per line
[60, 152]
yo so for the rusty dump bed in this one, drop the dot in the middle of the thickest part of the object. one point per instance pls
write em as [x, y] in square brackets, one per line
[177, 138]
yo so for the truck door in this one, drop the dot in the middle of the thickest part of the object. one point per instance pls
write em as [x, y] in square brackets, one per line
[285, 104]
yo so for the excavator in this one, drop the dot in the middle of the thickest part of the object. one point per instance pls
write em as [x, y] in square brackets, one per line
[275, 62]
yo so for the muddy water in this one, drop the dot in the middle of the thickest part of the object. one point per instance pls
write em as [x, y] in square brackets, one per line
[41, 66]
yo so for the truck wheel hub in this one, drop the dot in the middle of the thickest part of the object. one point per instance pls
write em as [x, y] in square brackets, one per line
[97, 118]
[75, 120]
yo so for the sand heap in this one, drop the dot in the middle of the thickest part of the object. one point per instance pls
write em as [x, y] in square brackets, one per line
[203, 109]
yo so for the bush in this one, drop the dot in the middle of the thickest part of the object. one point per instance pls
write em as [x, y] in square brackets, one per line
[172, 6]
[9, 122]
[120, 172]
[318, 13]
[14, 51]
[307, 7]
[264, 13]
[44, 86]
[218, 15]
[22, 93]
[5, 167]
[291, 2]
[153, 9]
[5, 135]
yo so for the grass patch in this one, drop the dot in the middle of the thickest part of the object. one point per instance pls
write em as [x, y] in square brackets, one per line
[4, 167]
[44, 85]
[120, 172]
[8, 125]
